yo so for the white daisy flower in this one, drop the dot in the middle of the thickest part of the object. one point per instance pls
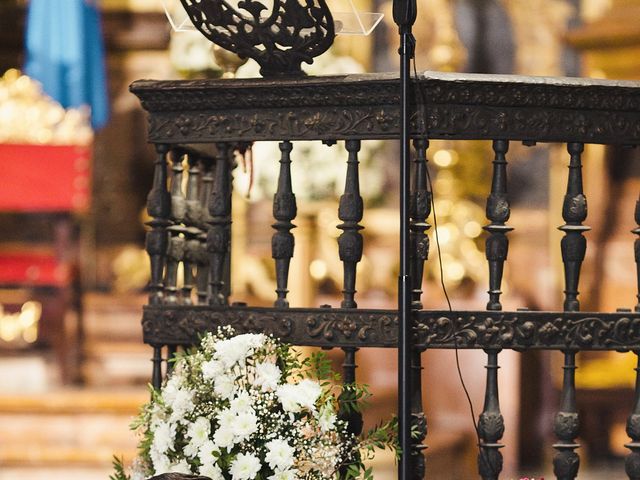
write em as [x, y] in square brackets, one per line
[245, 467]
[279, 454]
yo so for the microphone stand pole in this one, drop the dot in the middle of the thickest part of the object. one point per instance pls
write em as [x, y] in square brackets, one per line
[404, 15]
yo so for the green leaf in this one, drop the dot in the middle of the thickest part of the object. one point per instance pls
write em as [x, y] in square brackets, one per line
[119, 471]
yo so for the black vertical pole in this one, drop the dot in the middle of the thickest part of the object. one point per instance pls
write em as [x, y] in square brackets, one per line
[404, 15]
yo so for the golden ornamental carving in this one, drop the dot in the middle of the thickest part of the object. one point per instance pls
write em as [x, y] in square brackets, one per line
[27, 115]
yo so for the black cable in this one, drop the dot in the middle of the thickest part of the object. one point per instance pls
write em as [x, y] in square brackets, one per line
[422, 131]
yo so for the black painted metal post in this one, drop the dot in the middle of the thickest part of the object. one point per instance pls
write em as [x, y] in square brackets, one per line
[574, 244]
[202, 257]
[192, 221]
[175, 252]
[404, 15]
[632, 462]
[636, 248]
[156, 375]
[420, 208]
[159, 208]
[220, 223]
[491, 424]
[350, 212]
[284, 211]
[498, 213]
[566, 462]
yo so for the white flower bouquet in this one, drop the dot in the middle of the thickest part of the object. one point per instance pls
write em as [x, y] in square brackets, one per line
[248, 407]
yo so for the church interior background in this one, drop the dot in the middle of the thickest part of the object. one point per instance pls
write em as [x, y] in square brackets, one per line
[73, 366]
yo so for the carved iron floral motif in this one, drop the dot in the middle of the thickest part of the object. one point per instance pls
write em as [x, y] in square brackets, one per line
[279, 37]
[348, 328]
[366, 106]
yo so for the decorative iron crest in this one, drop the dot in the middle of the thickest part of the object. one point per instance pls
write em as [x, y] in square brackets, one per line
[279, 40]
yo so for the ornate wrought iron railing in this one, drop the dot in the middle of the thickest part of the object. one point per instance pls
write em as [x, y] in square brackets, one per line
[192, 225]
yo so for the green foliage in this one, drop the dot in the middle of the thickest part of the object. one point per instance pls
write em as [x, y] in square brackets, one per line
[118, 470]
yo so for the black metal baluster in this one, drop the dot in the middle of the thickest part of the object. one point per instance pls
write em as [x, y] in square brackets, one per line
[418, 418]
[636, 248]
[348, 397]
[193, 219]
[220, 222]
[567, 424]
[498, 212]
[156, 375]
[175, 252]
[419, 210]
[491, 423]
[350, 212]
[202, 257]
[632, 462]
[574, 245]
[159, 208]
[284, 211]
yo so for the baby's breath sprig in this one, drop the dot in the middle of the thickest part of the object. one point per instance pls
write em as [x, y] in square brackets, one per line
[247, 407]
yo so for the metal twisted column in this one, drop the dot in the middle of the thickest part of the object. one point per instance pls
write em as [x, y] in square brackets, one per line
[220, 222]
[350, 212]
[284, 211]
[159, 209]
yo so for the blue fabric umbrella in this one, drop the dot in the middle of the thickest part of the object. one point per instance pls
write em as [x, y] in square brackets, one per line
[65, 52]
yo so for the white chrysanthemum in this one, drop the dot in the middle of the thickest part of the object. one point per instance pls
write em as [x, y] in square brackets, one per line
[181, 405]
[279, 454]
[160, 462]
[284, 475]
[224, 386]
[212, 369]
[242, 403]
[308, 393]
[245, 467]
[226, 418]
[267, 376]
[288, 396]
[327, 418]
[224, 438]
[245, 425]
[235, 350]
[212, 471]
[163, 436]
[199, 431]
[205, 454]
[181, 467]
[170, 389]
[231, 352]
